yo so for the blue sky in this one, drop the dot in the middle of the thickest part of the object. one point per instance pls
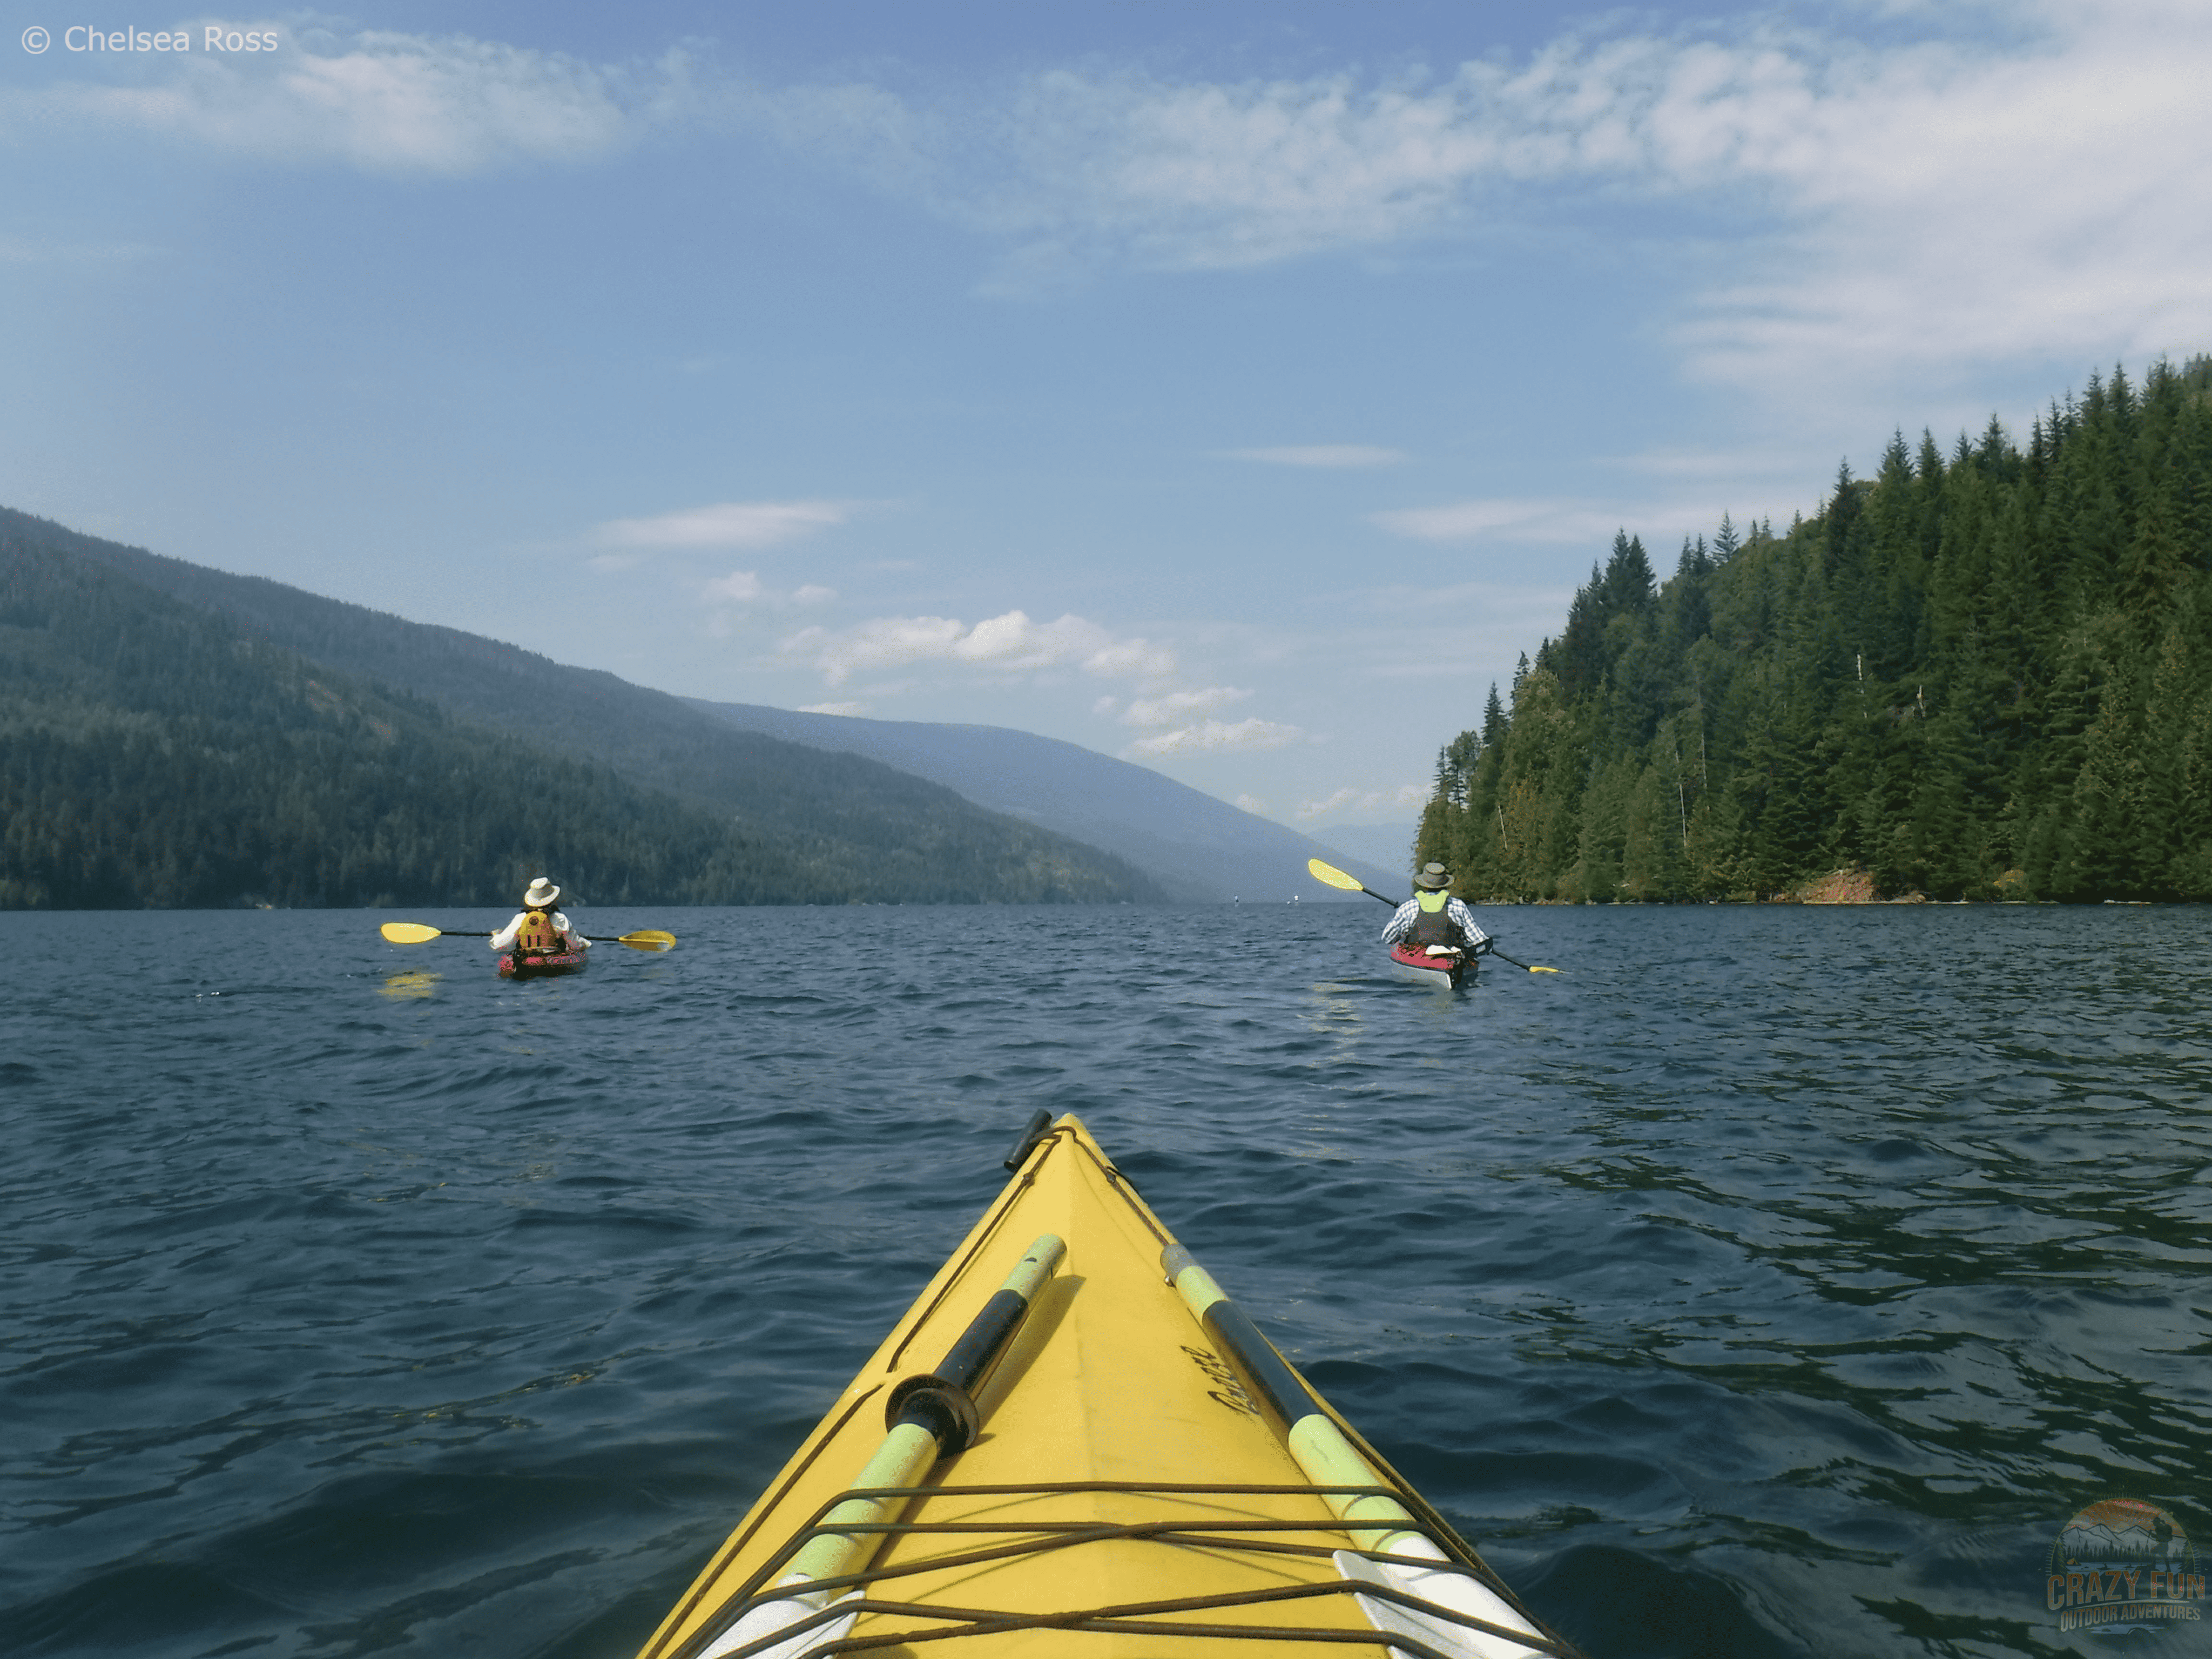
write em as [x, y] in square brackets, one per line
[1236, 388]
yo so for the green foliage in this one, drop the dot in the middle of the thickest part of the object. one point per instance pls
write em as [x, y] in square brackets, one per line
[155, 752]
[1982, 675]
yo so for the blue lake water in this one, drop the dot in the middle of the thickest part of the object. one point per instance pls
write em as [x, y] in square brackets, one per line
[1779, 1282]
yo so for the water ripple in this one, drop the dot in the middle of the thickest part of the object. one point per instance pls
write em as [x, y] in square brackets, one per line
[1777, 1283]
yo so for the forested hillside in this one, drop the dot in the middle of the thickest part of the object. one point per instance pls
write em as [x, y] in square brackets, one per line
[1984, 674]
[155, 752]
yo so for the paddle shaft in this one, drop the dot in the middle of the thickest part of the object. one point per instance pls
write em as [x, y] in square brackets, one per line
[930, 1416]
[596, 938]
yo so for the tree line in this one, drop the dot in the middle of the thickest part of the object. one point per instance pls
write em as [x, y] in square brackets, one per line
[155, 753]
[1982, 674]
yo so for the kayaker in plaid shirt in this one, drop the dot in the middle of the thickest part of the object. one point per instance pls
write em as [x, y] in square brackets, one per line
[1431, 918]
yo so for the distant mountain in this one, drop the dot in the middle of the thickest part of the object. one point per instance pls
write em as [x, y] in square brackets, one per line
[1193, 846]
[174, 735]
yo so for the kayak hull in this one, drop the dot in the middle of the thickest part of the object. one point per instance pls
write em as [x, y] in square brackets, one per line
[1125, 1484]
[516, 966]
[1411, 962]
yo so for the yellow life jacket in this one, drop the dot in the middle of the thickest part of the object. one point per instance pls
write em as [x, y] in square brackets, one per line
[537, 936]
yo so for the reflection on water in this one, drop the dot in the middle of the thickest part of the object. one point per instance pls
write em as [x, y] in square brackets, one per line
[410, 983]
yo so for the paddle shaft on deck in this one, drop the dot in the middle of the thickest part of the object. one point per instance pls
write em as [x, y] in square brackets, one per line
[928, 1417]
[1315, 1441]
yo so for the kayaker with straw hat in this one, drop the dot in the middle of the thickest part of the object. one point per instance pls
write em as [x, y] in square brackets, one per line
[537, 928]
[1432, 916]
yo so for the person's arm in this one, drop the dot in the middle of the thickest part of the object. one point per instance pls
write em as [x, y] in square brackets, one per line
[574, 941]
[504, 939]
[1468, 925]
[1401, 921]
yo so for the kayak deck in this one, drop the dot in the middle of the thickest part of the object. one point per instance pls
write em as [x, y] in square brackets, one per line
[1125, 1484]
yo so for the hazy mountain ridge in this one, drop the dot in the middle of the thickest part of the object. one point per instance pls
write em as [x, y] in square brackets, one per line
[1198, 848]
[117, 665]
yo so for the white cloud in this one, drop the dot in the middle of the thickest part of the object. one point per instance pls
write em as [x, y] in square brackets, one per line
[1215, 737]
[744, 588]
[1177, 707]
[725, 524]
[1010, 642]
[1954, 186]
[850, 710]
[1349, 802]
[1324, 455]
[1135, 660]
[738, 587]
[1951, 186]
[391, 102]
[1250, 803]
[1314, 809]
[1508, 520]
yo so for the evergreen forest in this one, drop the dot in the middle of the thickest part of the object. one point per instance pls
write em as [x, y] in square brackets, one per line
[1979, 674]
[158, 752]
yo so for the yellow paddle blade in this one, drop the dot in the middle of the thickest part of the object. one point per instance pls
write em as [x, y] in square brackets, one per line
[650, 939]
[408, 932]
[1547, 970]
[1330, 874]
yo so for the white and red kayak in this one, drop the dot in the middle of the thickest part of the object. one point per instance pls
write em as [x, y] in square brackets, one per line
[1432, 965]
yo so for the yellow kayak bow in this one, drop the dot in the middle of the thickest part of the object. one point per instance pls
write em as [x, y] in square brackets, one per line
[1075, 1445]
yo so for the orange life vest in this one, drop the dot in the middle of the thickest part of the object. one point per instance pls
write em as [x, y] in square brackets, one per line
[537, 936]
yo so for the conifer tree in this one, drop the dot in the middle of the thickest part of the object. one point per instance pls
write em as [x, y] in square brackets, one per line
[1988, 675]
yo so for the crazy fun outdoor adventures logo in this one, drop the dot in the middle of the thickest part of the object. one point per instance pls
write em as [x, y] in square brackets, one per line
[2123, 1563]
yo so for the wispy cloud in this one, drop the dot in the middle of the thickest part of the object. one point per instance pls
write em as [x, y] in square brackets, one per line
[1984, 192]
[1944, 191]
[1179, 707]
[1349, 801]
[1213, 738]
[1325, 456]
[744, 587]
[738, 587]
[1509, 520]
[726, 525]
[850, 710]
[390, 102]
[1007, 643]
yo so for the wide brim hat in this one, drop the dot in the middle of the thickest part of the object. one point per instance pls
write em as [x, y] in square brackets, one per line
[541, 893]
[1434, 877]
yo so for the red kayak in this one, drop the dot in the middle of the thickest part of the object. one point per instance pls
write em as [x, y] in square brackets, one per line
[1414, 962]
[536, 965]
